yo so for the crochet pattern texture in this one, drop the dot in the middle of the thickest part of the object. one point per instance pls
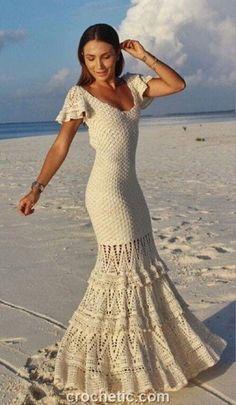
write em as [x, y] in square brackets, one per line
[132, 331]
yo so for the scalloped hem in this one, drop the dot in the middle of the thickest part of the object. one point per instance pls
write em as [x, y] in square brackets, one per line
[172, 373]
[62, 389]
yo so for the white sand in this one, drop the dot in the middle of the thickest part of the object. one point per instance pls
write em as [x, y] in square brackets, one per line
[46, 258]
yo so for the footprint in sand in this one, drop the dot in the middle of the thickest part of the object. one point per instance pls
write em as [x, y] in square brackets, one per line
[176, 228]
[180, 241]
[156, 218]
[204, 257]
[189, 238]
[176, 251]
[162, 237]
[211, 234]
[185, 223]
[173, 240]
[207, 254]
[220, 249]
[218, 273]
[193, 208]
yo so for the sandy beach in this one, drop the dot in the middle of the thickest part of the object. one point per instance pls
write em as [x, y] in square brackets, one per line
[187, 173]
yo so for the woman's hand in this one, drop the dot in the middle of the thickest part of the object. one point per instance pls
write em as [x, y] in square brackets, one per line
[133, 47]
[26, 203]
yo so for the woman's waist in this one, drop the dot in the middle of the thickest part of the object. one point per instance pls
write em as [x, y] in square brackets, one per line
[112, 179]
[114, 161]
[113, 172]
[103, 188]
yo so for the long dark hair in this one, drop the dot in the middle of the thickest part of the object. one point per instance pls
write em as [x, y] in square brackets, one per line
[100, 32]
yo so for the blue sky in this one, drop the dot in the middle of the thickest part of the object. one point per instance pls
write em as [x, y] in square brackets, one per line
[39, 39]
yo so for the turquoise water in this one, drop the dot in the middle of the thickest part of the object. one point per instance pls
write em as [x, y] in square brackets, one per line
[10, 130]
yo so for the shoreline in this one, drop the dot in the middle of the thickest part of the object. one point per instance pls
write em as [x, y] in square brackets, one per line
[144, 121]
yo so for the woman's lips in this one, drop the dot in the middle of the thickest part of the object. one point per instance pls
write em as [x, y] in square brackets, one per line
[101, 73]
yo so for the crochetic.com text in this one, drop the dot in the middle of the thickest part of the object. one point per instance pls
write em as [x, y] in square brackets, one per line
[119, 396]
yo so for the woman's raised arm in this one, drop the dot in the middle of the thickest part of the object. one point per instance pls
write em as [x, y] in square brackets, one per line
[169, 81]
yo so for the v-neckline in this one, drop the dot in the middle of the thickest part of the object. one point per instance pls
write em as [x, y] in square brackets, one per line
[111, 105]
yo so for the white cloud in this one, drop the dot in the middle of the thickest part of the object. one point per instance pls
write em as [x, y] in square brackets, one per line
[195, 37]
[52, 87]
[58, 79]
[11, 36]
[194, 78]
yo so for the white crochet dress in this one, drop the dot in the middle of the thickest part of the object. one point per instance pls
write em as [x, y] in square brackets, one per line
[132, 332]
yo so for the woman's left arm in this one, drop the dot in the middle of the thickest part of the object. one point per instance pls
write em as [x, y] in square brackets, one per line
[168, 82]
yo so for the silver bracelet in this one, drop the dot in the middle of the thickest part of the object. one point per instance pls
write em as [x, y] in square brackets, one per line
[38, 185]
[155, 61]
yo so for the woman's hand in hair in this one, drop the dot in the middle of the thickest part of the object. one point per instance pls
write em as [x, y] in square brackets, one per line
[133, 47]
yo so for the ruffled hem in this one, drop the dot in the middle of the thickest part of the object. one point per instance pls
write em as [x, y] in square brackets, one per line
[132, 354]
[74, 106]
[67, 115]
[140, 84]
[154, 374]
[131, 359]
[45, 391]
[128, 310]
[132, 329]
[136, 381]
[132, 332]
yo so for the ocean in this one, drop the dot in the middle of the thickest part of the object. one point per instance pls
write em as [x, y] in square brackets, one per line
[11, 130]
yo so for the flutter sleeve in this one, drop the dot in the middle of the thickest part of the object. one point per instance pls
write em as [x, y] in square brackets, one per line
[140, 83]
[74, 106]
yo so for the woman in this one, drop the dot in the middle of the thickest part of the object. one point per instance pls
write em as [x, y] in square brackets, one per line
[132, 331]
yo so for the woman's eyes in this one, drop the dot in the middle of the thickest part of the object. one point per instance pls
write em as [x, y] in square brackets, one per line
[105, 57]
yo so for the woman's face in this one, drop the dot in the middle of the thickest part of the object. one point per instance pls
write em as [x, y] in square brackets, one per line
[100, 59]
